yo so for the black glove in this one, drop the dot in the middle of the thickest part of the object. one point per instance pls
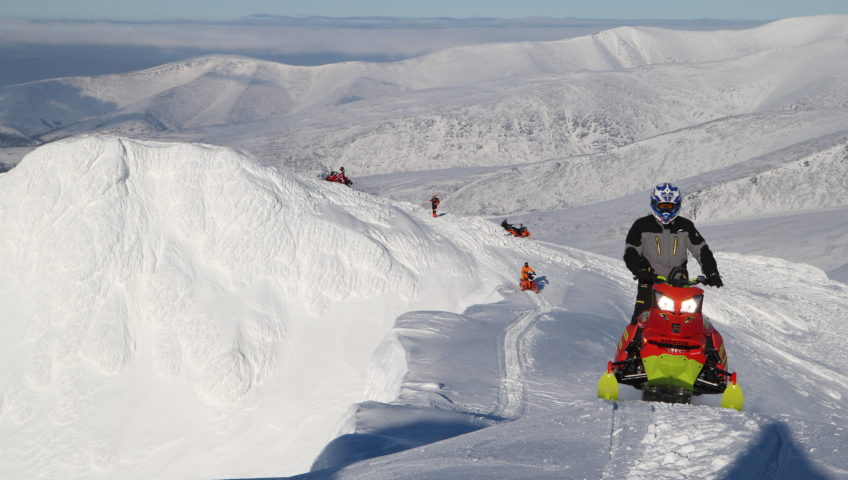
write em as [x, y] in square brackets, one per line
[714, 280]
[645, 276]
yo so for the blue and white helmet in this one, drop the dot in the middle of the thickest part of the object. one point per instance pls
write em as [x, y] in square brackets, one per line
[665, 202]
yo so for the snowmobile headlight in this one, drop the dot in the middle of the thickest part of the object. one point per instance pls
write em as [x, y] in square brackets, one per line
[665, 303]
[691, 305]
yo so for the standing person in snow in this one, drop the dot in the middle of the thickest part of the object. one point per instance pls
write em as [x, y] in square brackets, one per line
[658, 243]
[344, 178]
[434, 201]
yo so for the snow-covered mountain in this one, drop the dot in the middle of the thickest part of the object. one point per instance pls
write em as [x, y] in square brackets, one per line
[572, 116]
[482, 105]
[183, 299]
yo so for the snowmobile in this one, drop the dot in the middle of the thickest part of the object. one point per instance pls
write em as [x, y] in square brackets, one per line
[672, 352]
[529, 283]
[338, 177]
[520, 231]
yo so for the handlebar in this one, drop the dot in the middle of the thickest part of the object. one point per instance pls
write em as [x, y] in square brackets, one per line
[682, 282]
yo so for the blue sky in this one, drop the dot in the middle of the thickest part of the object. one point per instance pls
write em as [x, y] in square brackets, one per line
[235, 9]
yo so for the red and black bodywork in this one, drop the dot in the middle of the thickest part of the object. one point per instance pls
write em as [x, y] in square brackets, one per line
[520, 231]
[672, 352]
[338, 178]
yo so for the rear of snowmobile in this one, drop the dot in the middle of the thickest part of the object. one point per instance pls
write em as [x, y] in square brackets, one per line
[672, 353]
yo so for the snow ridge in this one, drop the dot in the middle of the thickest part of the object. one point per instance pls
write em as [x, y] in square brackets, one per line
[137, 271]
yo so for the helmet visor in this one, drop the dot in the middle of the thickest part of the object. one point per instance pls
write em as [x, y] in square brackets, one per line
[666, 206]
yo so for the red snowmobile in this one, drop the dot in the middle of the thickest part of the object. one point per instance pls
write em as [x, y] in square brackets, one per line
[339, 178]
[520, 231]
[673, 352]
[529, 283]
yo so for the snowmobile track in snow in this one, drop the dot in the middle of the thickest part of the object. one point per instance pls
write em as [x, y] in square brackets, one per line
[512, 353]
[653, 440]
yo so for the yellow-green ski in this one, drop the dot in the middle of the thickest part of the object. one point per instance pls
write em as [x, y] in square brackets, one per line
[608, 385]
[733, 397]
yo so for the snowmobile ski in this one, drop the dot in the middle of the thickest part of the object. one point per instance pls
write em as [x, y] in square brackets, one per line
[608, 385]
[733, 396]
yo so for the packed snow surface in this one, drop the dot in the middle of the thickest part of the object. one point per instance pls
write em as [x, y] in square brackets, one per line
[551, 350]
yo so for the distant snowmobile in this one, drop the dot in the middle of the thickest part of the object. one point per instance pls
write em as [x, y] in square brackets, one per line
[338, 177]
[520, 231]
[672, 352]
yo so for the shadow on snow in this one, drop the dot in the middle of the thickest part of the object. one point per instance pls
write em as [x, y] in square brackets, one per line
[429, 428]
[774, 456]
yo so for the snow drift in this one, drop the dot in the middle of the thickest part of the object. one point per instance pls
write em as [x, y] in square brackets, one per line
[204, 304]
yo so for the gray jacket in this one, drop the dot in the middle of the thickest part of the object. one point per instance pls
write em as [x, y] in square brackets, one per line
[660, 248]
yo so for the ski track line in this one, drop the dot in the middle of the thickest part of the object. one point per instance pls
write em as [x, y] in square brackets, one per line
[614, 441]
[512, 394]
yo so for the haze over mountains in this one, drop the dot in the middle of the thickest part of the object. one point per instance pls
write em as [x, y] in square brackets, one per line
[172, 265]
[32, 50]
[574, 116]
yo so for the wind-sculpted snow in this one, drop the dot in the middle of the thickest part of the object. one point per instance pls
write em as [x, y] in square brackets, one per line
[203, 302]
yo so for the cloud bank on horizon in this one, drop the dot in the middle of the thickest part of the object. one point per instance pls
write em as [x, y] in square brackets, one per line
[37, 49]
[289, 35]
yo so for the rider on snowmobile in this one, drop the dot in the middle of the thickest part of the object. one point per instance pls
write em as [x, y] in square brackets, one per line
[527, 275]
[659, 242]
[527, 272]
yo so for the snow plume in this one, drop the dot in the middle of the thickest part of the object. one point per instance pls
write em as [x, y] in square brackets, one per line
[181, 304]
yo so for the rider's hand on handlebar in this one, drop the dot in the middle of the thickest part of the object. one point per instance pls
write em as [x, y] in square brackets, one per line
[714, 280]
[645, 276]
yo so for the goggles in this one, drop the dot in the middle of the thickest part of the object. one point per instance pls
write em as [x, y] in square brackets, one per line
[666, 206]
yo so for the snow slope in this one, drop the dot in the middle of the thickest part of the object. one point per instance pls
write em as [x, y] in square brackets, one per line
[551, 350]
[168, 302]
[178, 311]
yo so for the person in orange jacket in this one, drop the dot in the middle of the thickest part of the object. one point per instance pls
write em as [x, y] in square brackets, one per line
[527, 273]
[434, 201]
